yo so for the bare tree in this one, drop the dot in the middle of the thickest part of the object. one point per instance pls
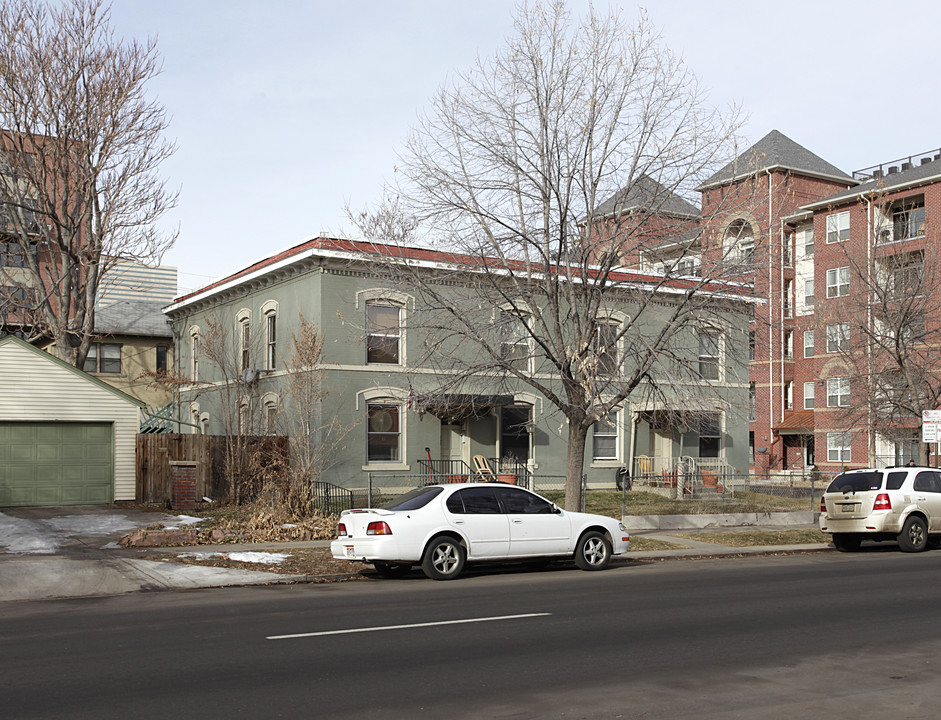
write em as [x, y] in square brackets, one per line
[545, 170]
[80, 148]
[885, 333]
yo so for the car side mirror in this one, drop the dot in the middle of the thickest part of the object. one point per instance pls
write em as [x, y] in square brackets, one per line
[556, 510]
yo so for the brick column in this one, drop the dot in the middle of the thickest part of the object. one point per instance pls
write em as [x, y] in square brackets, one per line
[183, 484]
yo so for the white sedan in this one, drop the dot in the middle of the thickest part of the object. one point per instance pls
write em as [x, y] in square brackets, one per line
[441, 527]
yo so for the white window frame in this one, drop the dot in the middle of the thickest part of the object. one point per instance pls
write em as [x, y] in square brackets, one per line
[789, 395]
[809, 335]
[386, 334]
[809, 296]
[838, 227]
[808, 241]
[838, 392]
[244, 328]
[839, 447]
[377, 405]
[613, 419]
[838, 282]
[838, 337]
[194, 353]
[809, 391]
[709, 359]
[609, 355]
[515, 340]
[788, 344]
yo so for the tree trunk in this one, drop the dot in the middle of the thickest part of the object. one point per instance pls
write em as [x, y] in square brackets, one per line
[575, 466]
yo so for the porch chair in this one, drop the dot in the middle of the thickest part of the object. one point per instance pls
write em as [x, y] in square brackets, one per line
[482, 469]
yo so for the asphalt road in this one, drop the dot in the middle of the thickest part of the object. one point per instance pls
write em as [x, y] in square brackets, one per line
[829, 635]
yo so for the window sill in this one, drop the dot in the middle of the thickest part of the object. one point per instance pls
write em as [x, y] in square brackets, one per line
[614, 463]
[378, 467]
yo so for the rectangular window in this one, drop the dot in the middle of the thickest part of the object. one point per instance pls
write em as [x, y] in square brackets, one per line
[839, 447]
[606, 347]
[271, 341]
[12, 255]
[383, 334]
[514, 341]
[809, 241]
[194, 340]
[245, 343]
[604, 442]
[789, 395]
[838, 282]
[103, 358]
[752, 402]
[838, 227]
[271, 419]
[788, 244]
[161, 363]
[788, 344]
[808, 396]
[838, 335]
[709, 356]
[751, 344]
[908, 219]
[788, 298]
[809, 293]
[838, 392]
[808, 343]
[383, 436]
[710, 436]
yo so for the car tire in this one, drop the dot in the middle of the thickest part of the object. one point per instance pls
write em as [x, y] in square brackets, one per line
[443, 559]
[846, 542]
[914, 535]
[392, 570]
[593, 551]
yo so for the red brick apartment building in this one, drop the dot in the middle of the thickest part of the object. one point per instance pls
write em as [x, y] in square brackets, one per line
[845, 349]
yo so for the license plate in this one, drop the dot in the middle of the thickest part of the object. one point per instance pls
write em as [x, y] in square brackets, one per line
[350, 551]
[849, 508]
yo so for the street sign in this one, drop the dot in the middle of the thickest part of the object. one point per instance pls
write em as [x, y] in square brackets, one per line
[931, 426]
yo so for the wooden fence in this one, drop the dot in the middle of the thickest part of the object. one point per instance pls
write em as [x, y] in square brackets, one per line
[156, 450]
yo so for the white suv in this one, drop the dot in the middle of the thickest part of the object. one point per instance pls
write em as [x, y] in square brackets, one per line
[901, 504]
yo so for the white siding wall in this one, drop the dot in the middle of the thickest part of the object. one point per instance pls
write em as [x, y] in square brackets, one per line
[35, 389]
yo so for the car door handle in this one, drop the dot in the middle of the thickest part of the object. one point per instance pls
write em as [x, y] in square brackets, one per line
[458, 522]
[517, 521]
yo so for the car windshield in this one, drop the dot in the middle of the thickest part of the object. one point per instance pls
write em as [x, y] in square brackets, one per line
[414, 499]
[856, 482]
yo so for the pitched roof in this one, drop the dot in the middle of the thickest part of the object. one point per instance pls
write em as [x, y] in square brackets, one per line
[645, 193]
[42, 355]
[777, 151]
[130, 317]
[359, 250]
[798, 422]
[918, 175]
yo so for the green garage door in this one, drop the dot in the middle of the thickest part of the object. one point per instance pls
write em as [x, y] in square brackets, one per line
[56, 463]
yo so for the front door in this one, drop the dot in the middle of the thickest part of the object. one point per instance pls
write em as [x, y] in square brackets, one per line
[515, 421]
[452, 447]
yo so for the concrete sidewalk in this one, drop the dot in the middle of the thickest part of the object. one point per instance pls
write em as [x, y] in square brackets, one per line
[95, 565]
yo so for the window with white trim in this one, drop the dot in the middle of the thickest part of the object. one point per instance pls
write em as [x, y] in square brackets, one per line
[710, 435]
[103, 358]
[838, 227]
[383, 432]
[788, 298]
[808, 396]
[245, 343]
[514, 341]
[383, 333]
[808, 241]
[838, 282]
[605, 342]
[271, 340]
[838, 337]
[809, 293]
[604, 438]
[789, 395]
[788, 344]
[709, 345]
[908, 218]
[808, 343]
[838, 392]
[839, 447]
[194, 353]
[752, 402]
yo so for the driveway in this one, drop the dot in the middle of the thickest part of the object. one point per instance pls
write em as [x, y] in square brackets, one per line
[59, 552]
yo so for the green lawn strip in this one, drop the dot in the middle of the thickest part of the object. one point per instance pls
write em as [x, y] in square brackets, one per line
[750, 538]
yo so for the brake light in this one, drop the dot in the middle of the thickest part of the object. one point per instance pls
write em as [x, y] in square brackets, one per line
[378, 528]
[341, 530]
[823, 505]
[882, 502]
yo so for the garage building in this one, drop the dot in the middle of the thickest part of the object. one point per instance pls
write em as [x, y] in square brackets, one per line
[66, 438]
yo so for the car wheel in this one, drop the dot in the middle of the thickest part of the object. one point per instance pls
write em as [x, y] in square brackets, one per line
[392, 570]
[914, 535]
[846, 542]
[443, 559]
[593, 551]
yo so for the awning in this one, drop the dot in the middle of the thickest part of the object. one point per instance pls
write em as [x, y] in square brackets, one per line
[799, 422]
[458, 407]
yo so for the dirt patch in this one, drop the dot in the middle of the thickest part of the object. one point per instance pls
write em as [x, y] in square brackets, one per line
[309, 562]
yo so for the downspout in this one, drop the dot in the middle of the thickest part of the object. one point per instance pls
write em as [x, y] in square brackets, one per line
[771, 344]
[870, 236]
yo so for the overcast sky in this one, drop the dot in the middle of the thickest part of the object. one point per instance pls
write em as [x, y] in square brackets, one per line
[285, 111]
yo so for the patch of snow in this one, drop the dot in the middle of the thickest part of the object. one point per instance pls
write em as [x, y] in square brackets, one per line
[175, 521]
[289, 525]
[26, 536]
[90, 524]
[265, 558]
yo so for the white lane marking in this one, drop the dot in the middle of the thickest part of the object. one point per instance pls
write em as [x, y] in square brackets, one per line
[404, 627]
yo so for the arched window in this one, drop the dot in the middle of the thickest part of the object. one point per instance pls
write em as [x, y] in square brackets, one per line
[739, 245]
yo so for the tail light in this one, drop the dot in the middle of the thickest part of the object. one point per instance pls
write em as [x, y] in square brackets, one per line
[882, 502]
[823, 505]
[378, 528]
[341, 530]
